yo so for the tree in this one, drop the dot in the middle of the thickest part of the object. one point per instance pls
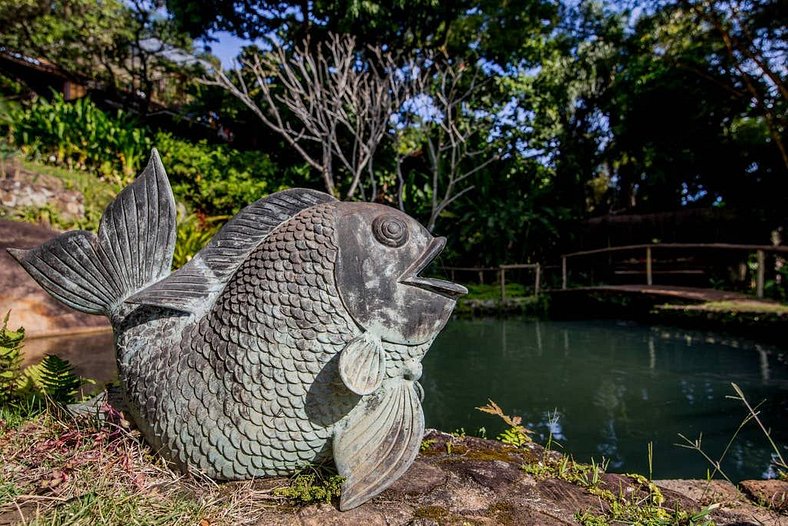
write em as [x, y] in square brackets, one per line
[686, 130]
[154, 51]
[127, 48]
[447, 124]
[753, 33]
[394, 23]
[77, 35]
[329, 102]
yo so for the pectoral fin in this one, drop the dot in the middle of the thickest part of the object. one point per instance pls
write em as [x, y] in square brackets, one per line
[362, 364]
[378, 442]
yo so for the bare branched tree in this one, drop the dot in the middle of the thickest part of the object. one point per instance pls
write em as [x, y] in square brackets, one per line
[453, 136]
[330, 102]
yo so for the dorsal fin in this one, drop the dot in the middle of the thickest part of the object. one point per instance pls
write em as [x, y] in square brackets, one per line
[190, 287]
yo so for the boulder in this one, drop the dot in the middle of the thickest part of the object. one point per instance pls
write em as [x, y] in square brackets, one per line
[772, 494]
[467, 480]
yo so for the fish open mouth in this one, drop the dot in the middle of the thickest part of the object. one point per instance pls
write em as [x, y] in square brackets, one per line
[439, 286]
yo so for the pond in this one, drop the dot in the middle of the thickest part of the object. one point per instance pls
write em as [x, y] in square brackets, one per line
[607, 389]
[602, 388]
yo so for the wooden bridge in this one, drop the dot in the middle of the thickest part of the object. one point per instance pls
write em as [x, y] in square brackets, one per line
[685, 272]
[669, 261]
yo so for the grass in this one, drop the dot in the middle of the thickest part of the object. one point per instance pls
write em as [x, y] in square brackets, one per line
[762, 320]
[57, 470]
[493, 291]
[636, 500]
[97, 194]
[733, 306]
[311, 485]
[60, 470]
[485, 300]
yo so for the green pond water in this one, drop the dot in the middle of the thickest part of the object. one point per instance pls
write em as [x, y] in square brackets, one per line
[607, 389]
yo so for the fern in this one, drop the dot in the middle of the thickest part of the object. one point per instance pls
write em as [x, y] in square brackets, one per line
[54, 378]
[517, 434]
[10, 360]
[26, 389]
[514, 436]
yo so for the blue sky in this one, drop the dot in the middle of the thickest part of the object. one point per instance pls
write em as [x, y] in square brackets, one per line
[226, 47]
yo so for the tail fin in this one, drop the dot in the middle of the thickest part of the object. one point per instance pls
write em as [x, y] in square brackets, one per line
[133, 248]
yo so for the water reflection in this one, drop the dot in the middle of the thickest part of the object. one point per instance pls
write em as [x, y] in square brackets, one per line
[615, 385]
[92, 354]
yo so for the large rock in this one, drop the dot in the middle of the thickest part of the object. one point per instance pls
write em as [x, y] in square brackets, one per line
[19, 194]
[770, 493]
[481, 482]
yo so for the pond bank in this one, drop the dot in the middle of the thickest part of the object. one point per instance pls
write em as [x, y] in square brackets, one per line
[733, 313]
[60, 472]
[42, 316]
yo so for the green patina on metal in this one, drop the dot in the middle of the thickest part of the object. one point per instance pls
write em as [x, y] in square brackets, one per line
[295, 336]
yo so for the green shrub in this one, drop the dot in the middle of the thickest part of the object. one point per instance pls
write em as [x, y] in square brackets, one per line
[10, 360]
[79, 135]
[216, 178]
[194, 232]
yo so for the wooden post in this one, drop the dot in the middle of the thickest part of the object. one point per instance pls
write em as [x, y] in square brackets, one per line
[563, 272]
[481, 277]
[538, 280]
[452, 275]
[761, 273]
[649, 280]
[503, 283]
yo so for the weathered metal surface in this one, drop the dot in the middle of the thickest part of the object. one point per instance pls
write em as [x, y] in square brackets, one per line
[295, 336]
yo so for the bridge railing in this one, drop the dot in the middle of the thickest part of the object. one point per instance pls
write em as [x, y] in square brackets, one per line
[648, 249]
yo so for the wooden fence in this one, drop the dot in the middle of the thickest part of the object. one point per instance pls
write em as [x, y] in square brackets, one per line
[759, 250]
[501, 271]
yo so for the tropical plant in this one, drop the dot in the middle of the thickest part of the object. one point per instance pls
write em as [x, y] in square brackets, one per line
[10, 360]
[209, 178]
[51, 379]
[79, 135]
[194, 232]
[215, 178]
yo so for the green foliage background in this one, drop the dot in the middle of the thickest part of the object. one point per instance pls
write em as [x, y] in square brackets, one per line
[596, 109]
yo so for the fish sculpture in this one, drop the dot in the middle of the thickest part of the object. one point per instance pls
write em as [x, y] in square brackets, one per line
[294, 337]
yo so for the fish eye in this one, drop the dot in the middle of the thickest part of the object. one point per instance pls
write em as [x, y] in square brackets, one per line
[390, 230]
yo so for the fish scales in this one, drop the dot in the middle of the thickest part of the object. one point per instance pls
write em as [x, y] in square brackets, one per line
[295, 336]
[214, 345]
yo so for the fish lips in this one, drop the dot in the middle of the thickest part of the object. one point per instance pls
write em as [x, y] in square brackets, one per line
[438, 286]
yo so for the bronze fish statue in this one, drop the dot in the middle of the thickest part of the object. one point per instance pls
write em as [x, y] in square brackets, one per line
[295, 336]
